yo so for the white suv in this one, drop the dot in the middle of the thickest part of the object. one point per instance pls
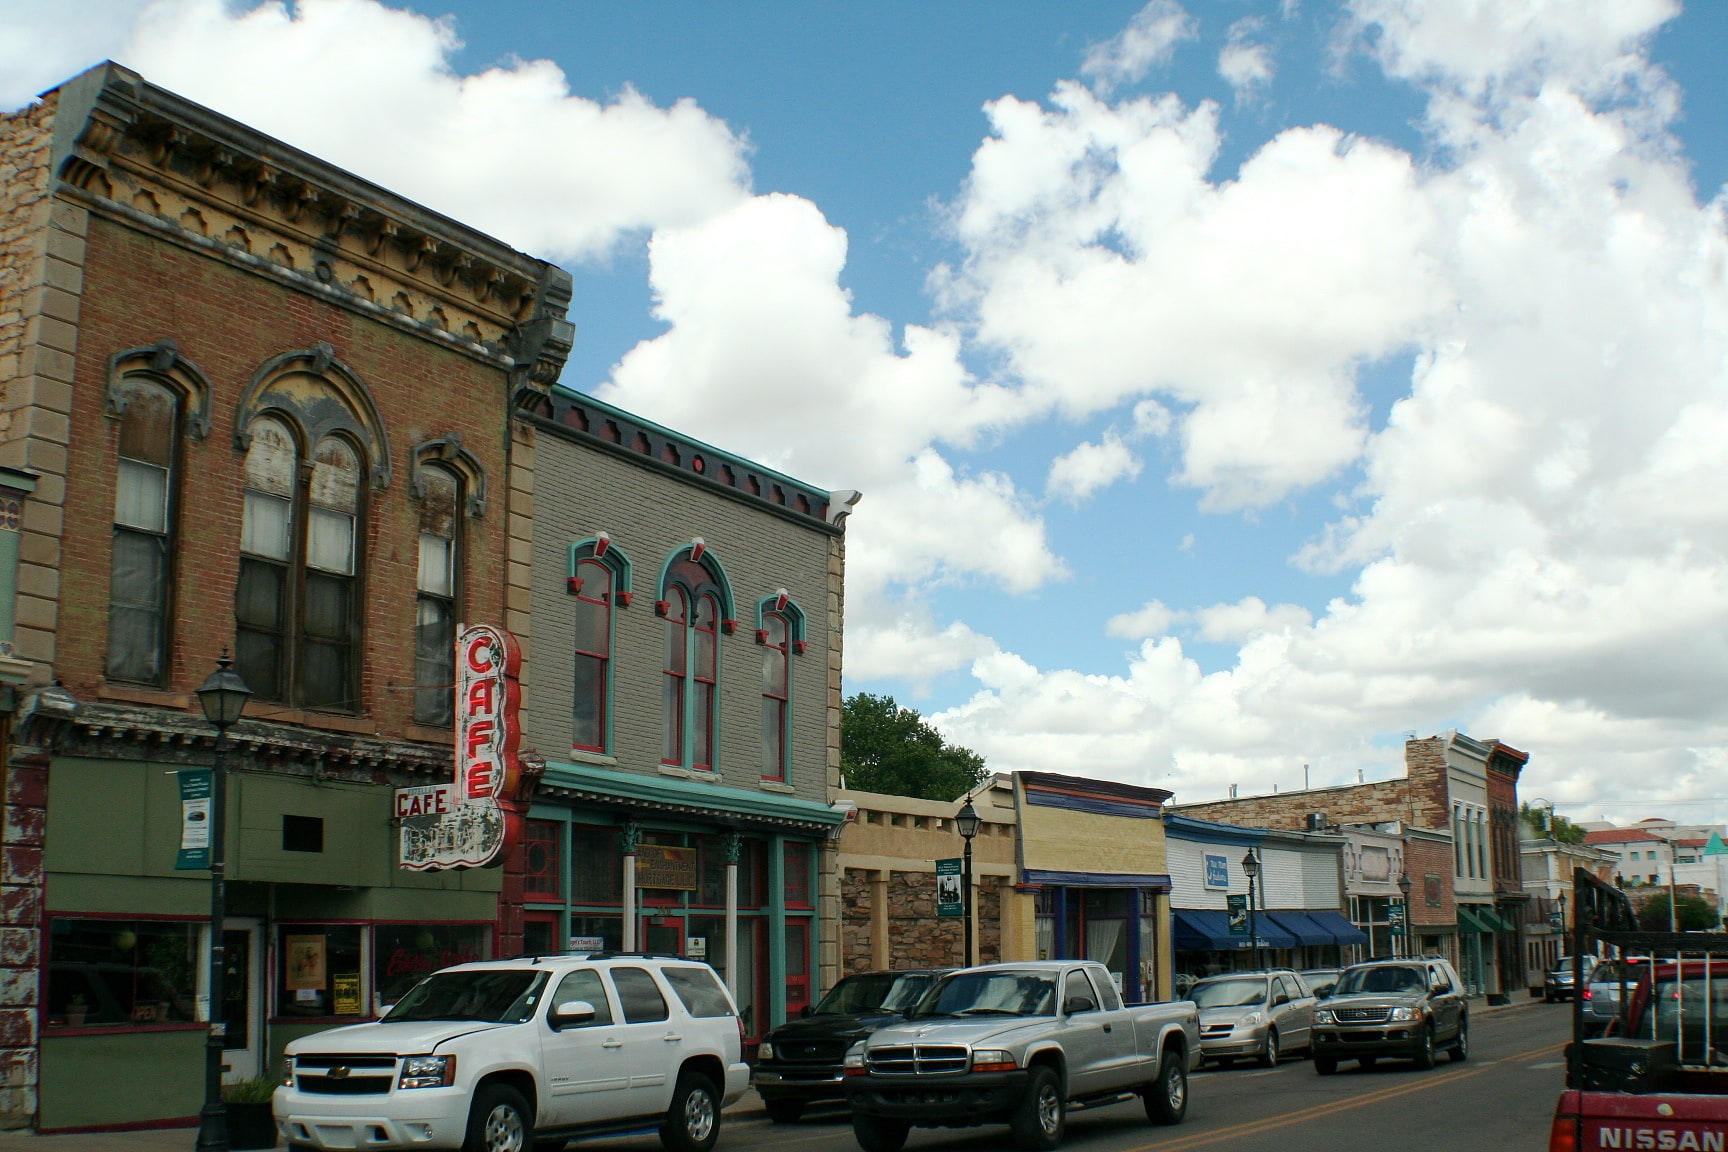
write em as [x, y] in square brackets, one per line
[519, 1055]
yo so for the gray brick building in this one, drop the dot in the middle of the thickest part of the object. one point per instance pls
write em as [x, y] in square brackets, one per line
[680, 610]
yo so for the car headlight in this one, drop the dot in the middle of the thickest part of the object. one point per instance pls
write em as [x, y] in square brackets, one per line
[1324, 1016]
[853, 1065]
[993, 1060]
[288, 1071]
[1406, 1013]
[428, 1071]
[1249, 1020]
[765, 1050]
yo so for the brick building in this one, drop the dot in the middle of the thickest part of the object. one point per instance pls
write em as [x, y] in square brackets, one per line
[681, 608]
[1451, 785]
[251, 402]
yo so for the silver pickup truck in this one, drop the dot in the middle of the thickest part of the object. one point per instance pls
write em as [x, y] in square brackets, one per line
[1021, 1044]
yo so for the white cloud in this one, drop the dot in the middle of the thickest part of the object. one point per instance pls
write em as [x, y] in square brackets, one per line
[42, 44]
[460, 144]
[909, 647]
[1150, 619]
[1247, 66]
[1150, 38]
[1537, 547]
[1079, 473]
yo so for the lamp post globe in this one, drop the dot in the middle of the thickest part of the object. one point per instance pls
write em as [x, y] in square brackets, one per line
[223, 696]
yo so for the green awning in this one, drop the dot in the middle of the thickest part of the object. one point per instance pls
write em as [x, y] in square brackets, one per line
[1469, 920]
[636, 790]
[1494, 921]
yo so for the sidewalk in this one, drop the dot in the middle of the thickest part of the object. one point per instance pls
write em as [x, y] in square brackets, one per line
[748, 1107]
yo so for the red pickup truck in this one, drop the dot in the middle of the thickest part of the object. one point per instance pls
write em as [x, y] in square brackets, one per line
[1658, 1079]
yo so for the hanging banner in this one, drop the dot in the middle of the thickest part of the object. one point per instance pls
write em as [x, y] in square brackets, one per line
[472, 821]
[1236, 909]
[194, 819]
[948, 898]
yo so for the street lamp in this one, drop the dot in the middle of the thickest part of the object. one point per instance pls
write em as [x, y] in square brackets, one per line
[223, 695]
[1404, 890]
[1251, 869]
[968, 822]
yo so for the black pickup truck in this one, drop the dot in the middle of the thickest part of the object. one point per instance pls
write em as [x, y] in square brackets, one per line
[799, 1062]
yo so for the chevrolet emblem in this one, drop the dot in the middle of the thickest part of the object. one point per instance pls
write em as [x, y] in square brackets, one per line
[340, 1072]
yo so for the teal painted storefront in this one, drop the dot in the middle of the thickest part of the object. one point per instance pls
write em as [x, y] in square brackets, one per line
[754, 905]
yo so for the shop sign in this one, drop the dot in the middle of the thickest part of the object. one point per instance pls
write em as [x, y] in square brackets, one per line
[587, 943]
[472, 821]
[1217, 871]
[949, 899]
[659, 866]
[346, 993]
[194, 819]
[696, 947]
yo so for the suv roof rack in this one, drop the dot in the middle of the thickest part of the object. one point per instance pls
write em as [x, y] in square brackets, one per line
[613, 955]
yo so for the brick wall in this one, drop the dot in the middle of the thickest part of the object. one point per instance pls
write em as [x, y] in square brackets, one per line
[917, 937]
[1426, 858]
[1420, 798]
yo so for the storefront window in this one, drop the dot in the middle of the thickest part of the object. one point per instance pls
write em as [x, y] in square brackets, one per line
[585, 931]
[753, 874]
[318, 970]
[122, 972]
[1044, 905]
[710, 871]
[540, 860]
[404, 953]
[797, 875]
[594, 865]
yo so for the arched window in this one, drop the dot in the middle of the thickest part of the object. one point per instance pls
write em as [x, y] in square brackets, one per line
[780, 632]
[776, 696]
[435, 601]
[140, 574]
[297, 607]
[696, 603]
[600, 582]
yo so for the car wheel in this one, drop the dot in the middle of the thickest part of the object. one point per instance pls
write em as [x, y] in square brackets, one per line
[1425, 1054]
[1041, 1116]
[1167, 1098]
[498, 1121]
[784, 1111]
[879, 1133]
[1461, 1046]
[1269, 1050]
[693, 1122]
[1325, 1065]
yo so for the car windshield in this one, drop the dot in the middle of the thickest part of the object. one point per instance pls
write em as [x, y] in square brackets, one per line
[1390, 979]
[1229, 993]
[875, 992]
[496, 996]
[991, 994]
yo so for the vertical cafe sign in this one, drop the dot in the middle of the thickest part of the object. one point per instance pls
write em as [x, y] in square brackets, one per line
[469, 822]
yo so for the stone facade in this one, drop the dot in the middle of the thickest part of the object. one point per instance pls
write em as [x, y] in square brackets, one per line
[1419, 798]
[917, 938]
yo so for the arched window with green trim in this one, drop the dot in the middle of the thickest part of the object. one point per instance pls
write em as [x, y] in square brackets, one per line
[696, 603]
[599, 582]
[779, 633]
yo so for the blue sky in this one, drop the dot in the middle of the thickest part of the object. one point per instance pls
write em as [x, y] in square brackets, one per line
[1357, 428]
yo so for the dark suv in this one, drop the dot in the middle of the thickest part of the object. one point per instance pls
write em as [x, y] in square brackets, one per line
[1403, 1008]
[799, 1062]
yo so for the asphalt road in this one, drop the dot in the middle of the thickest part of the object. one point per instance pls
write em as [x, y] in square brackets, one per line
[1500, 1100]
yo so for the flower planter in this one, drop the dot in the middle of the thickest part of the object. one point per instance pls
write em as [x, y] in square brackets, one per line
[250, 1126]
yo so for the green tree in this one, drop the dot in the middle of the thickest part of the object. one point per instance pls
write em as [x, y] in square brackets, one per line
[889, 749]
[1696, 913]
[1559, 828]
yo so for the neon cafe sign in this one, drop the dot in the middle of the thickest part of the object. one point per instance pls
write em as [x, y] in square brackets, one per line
[472, 821]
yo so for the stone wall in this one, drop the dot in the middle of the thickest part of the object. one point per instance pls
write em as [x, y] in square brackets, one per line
[917, 937]
[1419, 798]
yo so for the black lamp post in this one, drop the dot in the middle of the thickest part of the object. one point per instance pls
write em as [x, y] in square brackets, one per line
[223, 695]
[968, 821]
[1404, 890]
[1251, 869]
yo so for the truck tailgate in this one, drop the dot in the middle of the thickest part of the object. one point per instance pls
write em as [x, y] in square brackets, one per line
[1670, 1122]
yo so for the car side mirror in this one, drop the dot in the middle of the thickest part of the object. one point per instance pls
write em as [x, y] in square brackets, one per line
[1078, 1004]
[1440, 987]
[806, 1011]
[571, 1014]
[1281, 998]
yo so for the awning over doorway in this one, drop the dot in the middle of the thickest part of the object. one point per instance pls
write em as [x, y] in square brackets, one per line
[1306, 931]
[1476, 919]
[1208, 930]
[1343, 932]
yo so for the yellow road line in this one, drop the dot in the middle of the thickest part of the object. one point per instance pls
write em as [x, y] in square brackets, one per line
[1379, 1096]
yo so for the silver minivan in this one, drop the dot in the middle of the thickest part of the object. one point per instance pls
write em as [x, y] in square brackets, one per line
[1255, 1014]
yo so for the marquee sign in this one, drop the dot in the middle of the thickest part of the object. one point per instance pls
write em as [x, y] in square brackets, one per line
[470, 822]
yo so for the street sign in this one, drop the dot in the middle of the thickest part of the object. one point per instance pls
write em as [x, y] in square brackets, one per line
[1238, 912]
[948, 897]
[194, 819]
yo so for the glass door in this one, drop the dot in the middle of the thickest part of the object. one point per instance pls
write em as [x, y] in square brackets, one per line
[242, 997]
[797, 967]
[663, 935]
[540, 934]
